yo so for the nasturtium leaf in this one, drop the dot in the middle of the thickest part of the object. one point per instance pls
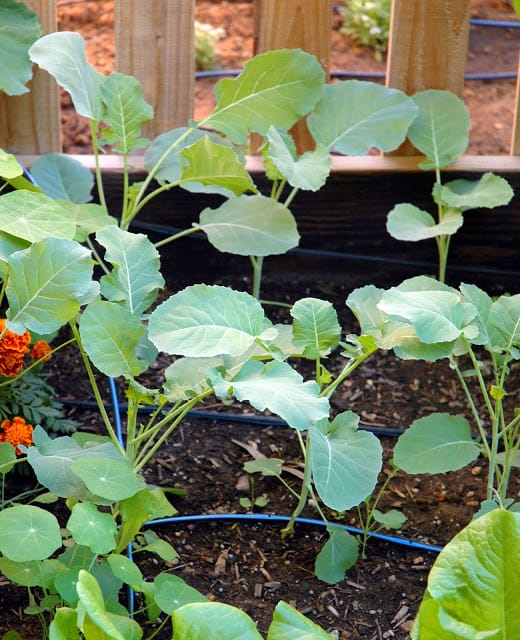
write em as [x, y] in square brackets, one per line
[275, 88]
[62, 54]
[125, 569]
[91, 528]
[114, 351]
[172, 592]
[9, 166]
[290, 624]
[308, 171]
[337, 555]
[436, 444]
[33, 216]
[63, 178]
[210, 167]
[107, 478]
[474, 582]
[136, 278]
[20, 28]
[207, 320]
[28, 533]
[48, 283]
[213, 621]
[488, 192]
[24, 574]
[7, 457]
[125, 112]
[345, 461]
[439, 138]
[315, 327]
[408, 222]
[64, 625]
[250, 226]
[278, 387]
[355, 115]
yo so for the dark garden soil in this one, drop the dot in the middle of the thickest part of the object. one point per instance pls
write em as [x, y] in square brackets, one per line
[246, 563]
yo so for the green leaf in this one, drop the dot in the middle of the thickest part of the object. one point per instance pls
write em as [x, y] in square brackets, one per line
[488, 192]
[125, 111]
[355, 115]
[473, 583]
[337, 555]
[33, 216]
[279, 388]
[9, 166]
[315, 328]
[24, 574]
[92, 529]
[308, 172]
[205, 321]
[62, 54]
[107, 478]
[435, 311]
[20, 28]
[136, 278]
[188, 376]
[250, 226]
[63, 178]
[89, 218]
[64, 625]
[290, 624]
[7, 458]
[210, 167]
[345, 462]
[504, 322]
[112, 351]
[28, 533]
[436, 444]
[213, 621]
[265, 466]
[408, 222]
[48, 283]
[276, 88]
[441, 129]
[148, 504]
[391, 519]
[516, 7]
[173, 592]
[125, 569]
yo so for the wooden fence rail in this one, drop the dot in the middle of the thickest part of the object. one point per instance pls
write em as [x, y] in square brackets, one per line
[155, 43]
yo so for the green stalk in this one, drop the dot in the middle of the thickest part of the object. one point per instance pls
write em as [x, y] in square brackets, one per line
[306, 483]
[258, 263]
[175, 236]
[94, 128]
[347, 370]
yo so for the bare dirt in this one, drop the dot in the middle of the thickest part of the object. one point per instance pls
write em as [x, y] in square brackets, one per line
[246, 563]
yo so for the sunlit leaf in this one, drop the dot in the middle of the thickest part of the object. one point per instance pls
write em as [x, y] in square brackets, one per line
[173, 592]
[28, 533]
[408, 222]
[213, 621]
[488, 192]
[290, 624]
[315, 327]
[107, 478]
[91, 528]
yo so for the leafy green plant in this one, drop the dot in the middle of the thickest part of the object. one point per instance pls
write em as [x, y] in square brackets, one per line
[472, 583]
[442, 139]
[206, 40]
[368, 23]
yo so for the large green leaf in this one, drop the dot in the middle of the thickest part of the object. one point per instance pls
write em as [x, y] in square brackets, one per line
[62, 54]
[315, 327]
[107, 478]
[440, 130]
[172, 592]
[33, 216]
[20, 28]
[355, 115]
[274, 89]
[488, 192]
[408, 222]
[91, 528]
[28, 533]
[135, 279]
[345, 462]
[63, 178]
[210, 167]
[279, 388]
[205, 321]
[48, 282]
[504, 322]
[114, 351]
[64, 625]
[250, 226]
[308, 171]
[337, 555]
[187, 376]
[125, 111]
[474, 583]
[213, 621]
[290, 624]
[436, 444]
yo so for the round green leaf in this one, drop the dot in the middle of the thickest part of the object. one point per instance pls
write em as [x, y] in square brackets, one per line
[28, 533]
[107, 478]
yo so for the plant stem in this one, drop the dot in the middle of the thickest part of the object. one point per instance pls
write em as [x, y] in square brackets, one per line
[258, 263]
[175, 236]
[289, 528]
[99, 179]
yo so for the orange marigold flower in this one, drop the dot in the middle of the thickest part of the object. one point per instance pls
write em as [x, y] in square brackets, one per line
[17, 432]
[10, 365]
[13, 348]
[41, 349]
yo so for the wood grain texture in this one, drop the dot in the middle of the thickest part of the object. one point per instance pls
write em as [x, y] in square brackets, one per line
[295, 24]
[155, 43]
[30, 123]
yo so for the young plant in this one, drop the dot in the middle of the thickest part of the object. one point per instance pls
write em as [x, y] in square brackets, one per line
[368, 23]
[440, 132]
